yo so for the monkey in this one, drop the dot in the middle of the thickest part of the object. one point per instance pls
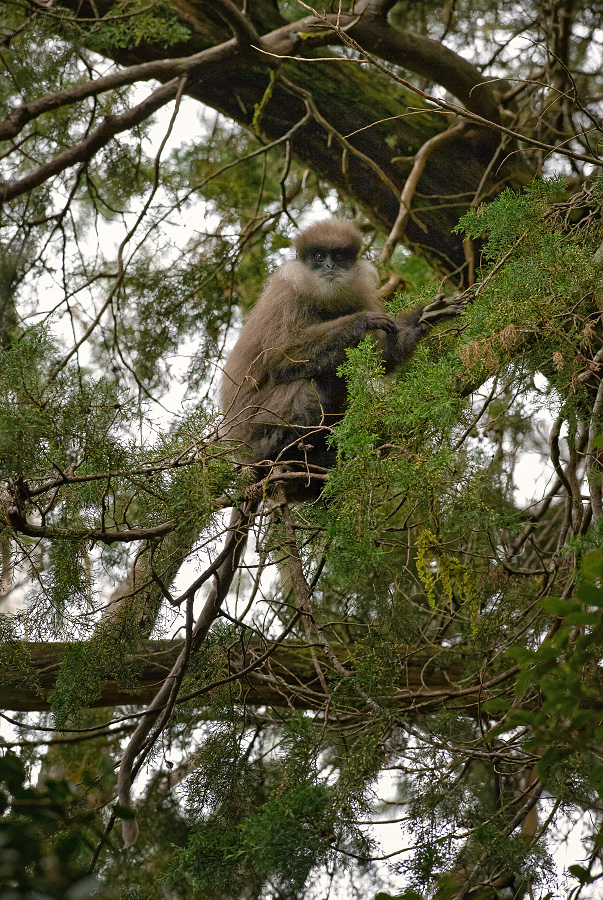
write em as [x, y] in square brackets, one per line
[280, 391]
[282, 396]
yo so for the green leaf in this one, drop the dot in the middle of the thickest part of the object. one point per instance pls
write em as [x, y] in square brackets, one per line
[592, 562]
[582, 874]
[590, 594]
[559, 607]
[583, 618]
[123, 812]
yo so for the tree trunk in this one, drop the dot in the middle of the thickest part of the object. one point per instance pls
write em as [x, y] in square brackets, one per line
[343, 99]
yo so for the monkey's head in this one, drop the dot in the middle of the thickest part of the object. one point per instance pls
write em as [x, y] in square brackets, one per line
[327, 264]
[330, 248]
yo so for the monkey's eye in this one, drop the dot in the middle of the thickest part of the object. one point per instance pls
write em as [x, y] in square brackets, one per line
[345, 256]
[319, 256]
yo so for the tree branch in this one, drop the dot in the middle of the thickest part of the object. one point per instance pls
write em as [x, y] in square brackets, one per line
[410, 186]
[16, 520]
[278, 674]
[85, 150]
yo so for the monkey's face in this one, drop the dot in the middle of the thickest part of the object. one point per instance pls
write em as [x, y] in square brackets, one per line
[331, 264]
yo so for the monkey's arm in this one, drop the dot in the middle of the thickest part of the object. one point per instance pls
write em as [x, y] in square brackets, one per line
[321, 346]
[413, 325]
[442, 308]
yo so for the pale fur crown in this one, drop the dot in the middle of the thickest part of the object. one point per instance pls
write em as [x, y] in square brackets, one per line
[329, 233]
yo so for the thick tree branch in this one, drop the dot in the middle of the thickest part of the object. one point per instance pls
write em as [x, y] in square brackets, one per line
[289, 678]
[14, 519]
[453, 108]
[417, 53]
[350, 101]
[99, 137]
[241, 26]
[262, 674]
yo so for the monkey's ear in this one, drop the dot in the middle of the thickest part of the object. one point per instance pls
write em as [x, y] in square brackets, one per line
[329, 233]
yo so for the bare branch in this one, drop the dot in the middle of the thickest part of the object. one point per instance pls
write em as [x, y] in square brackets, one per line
[160, 709]
[85, 150]
[14, 519]
[410, 186]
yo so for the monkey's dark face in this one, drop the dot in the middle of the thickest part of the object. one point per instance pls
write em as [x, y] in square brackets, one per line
[330, 263]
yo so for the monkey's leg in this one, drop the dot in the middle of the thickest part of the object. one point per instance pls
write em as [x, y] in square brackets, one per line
[290, 425]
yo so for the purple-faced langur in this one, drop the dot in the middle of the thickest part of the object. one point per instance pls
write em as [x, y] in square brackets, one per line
[281, 394]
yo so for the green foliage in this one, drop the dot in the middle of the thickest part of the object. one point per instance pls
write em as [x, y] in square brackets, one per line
[192, 300]
[566, 729]
[44, 838]
[282, 841]
[399, 439]
[88, 664]
[225, 778]
[134, 22]
[258, 821]
[530, 861]
[52, 423]
[68, 586]
[539, 292]
[355, 518]
[565, 668]
[186, 494]
[512, 217]
[15, 659]
[524, 312]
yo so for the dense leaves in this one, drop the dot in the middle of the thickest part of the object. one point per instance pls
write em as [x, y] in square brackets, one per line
[44, 837]
[398, 694]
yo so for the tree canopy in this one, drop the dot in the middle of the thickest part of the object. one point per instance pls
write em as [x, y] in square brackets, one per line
[397, 691]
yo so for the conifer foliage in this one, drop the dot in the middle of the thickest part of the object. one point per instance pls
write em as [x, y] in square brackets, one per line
[396, 692]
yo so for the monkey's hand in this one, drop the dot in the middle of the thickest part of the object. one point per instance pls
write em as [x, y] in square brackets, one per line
[375, 322]
[441, 308]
